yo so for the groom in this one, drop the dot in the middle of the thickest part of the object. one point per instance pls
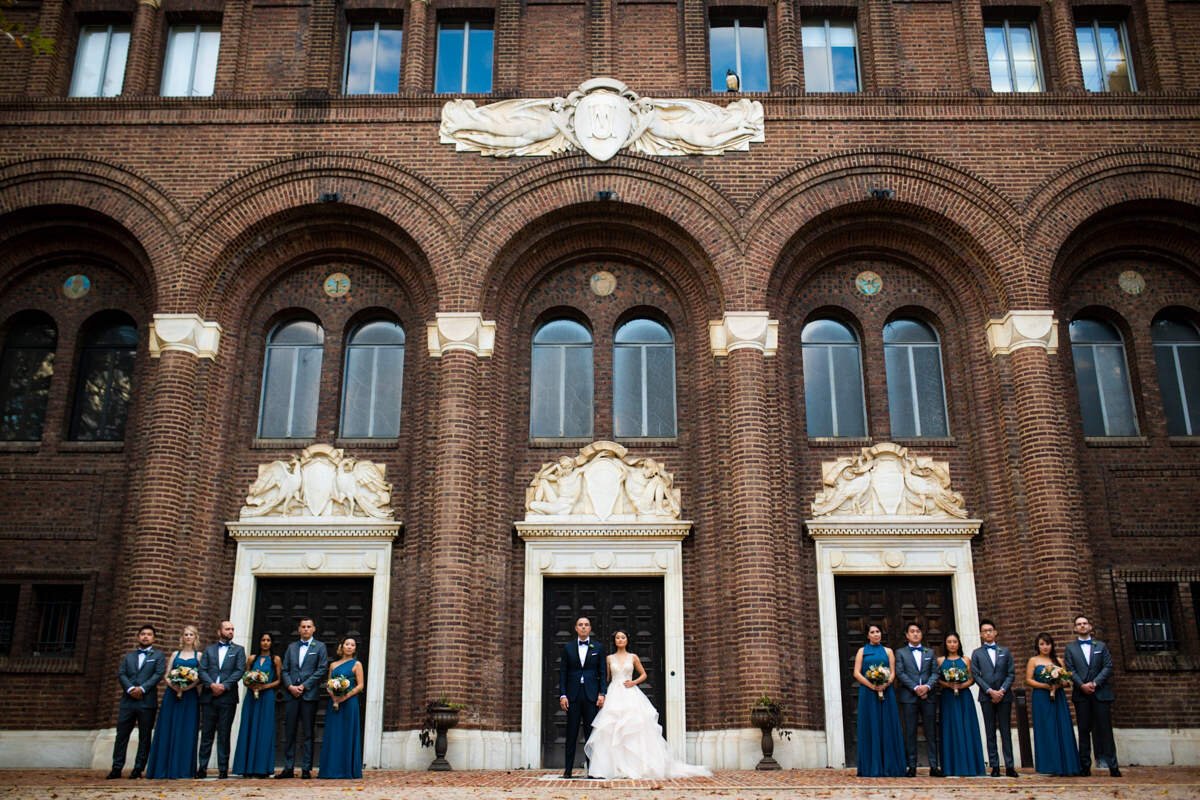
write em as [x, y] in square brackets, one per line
[582, 674]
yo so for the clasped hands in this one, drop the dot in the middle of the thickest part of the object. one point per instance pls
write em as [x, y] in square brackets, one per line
[921, 690]
[564, 703]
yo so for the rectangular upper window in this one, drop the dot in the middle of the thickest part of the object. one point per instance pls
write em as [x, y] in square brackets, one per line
[464, 56]
[9, 594]
[57, 608]
[1104, 56]
[190, 67]
[100, 61]
[1150, 606]
[373, 59]
[830, 55]
[737, 46]
[1012, 50]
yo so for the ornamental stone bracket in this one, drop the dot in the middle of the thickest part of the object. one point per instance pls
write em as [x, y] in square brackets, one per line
[461, 331]
[188, 333]
[744, 330]
[1018, 329]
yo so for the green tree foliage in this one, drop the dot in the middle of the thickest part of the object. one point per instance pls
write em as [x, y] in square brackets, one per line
[16, 33]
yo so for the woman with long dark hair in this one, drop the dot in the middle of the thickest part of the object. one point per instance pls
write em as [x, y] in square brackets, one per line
[880, 738]
[255, 754]
[1054, 749]
[961, 752]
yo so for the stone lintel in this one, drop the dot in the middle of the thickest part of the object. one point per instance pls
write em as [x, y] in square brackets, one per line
[461, 331]
[744, 330]
[188, 333]
[902, 526]
[1018, 329]
[313, 528]
[675, 530]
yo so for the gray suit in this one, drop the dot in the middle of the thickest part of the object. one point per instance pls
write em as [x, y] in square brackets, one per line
[308, 672]
[1093, 712]
[997, 717]
[217, 712]
[138, 711]
[908, 678]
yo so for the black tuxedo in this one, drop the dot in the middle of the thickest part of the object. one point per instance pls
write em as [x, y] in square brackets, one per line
[138, 711]
[300, 713]
[582, 683]
[908, 678]
[997, 717]
[1093, 712]
[217, 712]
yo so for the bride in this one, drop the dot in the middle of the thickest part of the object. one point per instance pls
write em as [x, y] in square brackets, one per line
[626, 740]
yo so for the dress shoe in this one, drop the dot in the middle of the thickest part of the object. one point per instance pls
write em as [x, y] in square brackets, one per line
[567, 775]
[133, 776]
[1011, 772]
[1086, 772]
[1114, 773]
[934, 772]
[201, 774]
[116, 773]
[911, 772]
[995, 772]
[285, 773]
[306, 774]
[223, 774]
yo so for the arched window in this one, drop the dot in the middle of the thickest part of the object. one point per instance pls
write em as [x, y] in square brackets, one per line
[25, 371]
[1177, 355]
[643, 380]
[560, 390]
[916, 392]
[833, 386]
[373, 381]
[291, 381]
[104, 382]
[1102, 377]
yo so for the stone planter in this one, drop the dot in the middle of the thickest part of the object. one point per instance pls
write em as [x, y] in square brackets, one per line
[443, 718]
[766, 719]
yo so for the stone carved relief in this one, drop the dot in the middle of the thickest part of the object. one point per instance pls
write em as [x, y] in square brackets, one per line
[601, 117]
[602, 484]
[320, 482]
[885, 480]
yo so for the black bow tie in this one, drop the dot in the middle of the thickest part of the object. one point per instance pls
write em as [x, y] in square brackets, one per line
[224, 644]
[584, 642]
[990, 646]
[304, 643]
[146, 652]
[1085, 641]
[915, 649]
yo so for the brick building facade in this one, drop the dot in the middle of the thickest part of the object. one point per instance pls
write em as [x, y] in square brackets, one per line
[997, 220]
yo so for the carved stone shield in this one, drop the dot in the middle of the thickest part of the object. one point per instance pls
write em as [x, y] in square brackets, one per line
[317, 479]
[888, 483]
[603, 484]
[603, 123]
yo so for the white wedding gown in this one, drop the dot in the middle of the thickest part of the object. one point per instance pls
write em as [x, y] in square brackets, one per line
[626, 740]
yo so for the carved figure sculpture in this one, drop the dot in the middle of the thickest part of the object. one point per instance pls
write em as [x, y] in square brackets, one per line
[360, 485]
[275, 490]
[321, 482]
[650, 490]
[556, 487]
[695, 128]
[603, 483]
[508, 128]
[885, 480]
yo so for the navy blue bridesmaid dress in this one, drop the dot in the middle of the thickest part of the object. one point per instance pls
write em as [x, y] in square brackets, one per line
[962, 753]
[1054, 749]
[341, 750]
[255, 754]
[880, 739]
[173, 748]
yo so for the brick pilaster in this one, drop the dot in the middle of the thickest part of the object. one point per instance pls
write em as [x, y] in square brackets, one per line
[601, 14]
[1066, 50]
[789, 47]
[1161, 50]
[47, 73]
[140, 62]
[416, 42]
[972, 43]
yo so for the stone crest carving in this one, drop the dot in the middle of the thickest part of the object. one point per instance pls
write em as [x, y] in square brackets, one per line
[320, 482]
[885, 480]
[601, 117]
[602, 484]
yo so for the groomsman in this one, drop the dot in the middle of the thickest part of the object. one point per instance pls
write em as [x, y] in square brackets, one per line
[221, 666]
[304, 666]
[992, 667]
[582, 675]
[139, 674]
[1091, 667]
[916, 677]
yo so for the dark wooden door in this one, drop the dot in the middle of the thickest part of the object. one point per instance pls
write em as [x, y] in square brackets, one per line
[890, 602]
[340, 607]
[630, 604]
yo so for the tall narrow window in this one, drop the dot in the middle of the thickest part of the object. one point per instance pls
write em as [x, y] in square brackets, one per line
[1102, 377]
[10, 593]
[560, 391]
[25, 371]
[830, 55]
[190, 67]
[916, 391]
[373, 59]
[373, 381]
[104, 380]
[739, 45]
[1150, 605]
[1104, 56]
[100, 61]
[57, 608]
[833, 387]
[643, 380]
[1177, 356]
[464, 57]
[1012, 50]
[292, 381]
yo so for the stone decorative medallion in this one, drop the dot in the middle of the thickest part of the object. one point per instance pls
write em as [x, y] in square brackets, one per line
[603, 283]
[1131, 282]
[337, 284]
[76, 286]
[869, 283]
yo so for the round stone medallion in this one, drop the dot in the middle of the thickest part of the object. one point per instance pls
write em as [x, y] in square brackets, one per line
[869, 283]
[1131, 282]
[76, 286]
[603, 283]
[337, 284]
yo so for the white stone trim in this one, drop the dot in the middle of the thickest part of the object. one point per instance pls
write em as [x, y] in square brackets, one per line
[188, 333]
[466, 749]
[466, 330]
[744, 330]
[601, 557]
[361, 550]
[1018, 329]
[741, 748]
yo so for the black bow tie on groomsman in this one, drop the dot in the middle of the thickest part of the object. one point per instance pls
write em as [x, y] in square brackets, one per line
[584, 642]
[990, 646]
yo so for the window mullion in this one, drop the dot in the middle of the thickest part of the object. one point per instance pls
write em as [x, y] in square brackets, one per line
[737, 48]
[1100, 388]
[829, 57]
[1100, 56]
[833, 406]
[912, 386]
[195, 57]
[374, 56]
[1012, 69]
[466, 55]
[292, 391]
[645, 394]
[1183, 398]
[562, 390]
[374, 389]
[104, 61]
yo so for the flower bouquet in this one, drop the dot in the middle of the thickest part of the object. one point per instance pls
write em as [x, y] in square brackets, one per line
[180, 678]
[879, 676]
[955, 675]
[337, 686]
[1054, 676]
[255, 679]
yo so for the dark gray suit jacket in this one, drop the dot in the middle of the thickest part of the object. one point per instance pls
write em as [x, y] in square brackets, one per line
[228, 673]
[987, 676]
[1098, 670]
[148, 677]
[908, 677]
[310, 673]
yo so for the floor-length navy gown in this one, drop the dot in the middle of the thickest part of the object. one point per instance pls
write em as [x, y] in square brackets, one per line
[173, 748]
[255, 753]
[1054, 749]
[341, 750]
[880, 739]
[962, 753]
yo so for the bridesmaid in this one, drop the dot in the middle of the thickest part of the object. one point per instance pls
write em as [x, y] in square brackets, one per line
[173, 748]
[255, 757]
[1054, 750]
[880, 739]
[962, 754]
[341, 751]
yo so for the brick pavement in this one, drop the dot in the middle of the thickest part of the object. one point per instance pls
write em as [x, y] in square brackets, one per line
[1176, 783]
